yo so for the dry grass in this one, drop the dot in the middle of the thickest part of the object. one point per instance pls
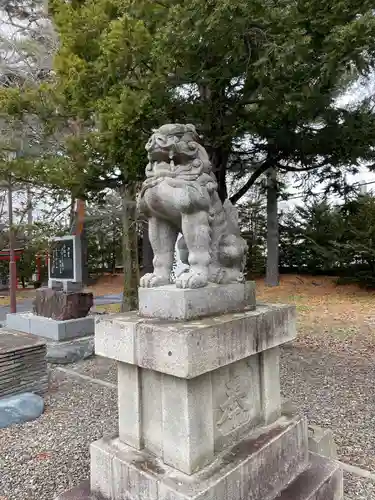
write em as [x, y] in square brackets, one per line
[107, 285]
[341, 318]
[107, 309]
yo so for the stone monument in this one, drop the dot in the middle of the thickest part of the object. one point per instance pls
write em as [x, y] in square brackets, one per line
[200, 414]
[60, 310]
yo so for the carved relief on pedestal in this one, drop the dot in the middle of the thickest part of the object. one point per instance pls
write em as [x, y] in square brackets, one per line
[236, 408]
[236, 401]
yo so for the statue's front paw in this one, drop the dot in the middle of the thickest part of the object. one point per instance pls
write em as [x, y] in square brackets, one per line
[192, 279]
[152, 280]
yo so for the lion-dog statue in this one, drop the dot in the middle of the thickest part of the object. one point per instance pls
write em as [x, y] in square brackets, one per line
[180, 195]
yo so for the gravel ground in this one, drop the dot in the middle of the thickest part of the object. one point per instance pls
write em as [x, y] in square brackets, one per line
[334, 391]
[40, 459]
[357, 488]
[97, 367]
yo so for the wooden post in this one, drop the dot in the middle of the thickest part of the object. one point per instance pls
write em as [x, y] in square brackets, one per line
[12, 257]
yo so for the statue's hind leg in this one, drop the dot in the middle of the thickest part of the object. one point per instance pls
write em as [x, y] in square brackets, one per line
[163, 237]
[196, 232]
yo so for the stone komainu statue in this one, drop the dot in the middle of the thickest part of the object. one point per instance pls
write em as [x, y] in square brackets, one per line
[180, 195]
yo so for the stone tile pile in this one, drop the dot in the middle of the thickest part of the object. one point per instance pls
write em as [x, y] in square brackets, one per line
[23, 367]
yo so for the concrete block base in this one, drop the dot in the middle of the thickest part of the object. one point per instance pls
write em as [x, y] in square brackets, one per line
[169, 302]
[259, 467]
[50, 328]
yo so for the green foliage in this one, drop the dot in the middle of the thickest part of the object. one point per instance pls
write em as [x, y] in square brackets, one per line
[306, 238]
[253, 223]
[259, 79]
[324, 239]
[104, 235]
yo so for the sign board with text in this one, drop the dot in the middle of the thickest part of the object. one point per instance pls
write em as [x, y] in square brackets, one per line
[65, 259]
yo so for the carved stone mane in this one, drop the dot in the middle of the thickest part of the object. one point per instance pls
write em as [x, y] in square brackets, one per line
[180, 195]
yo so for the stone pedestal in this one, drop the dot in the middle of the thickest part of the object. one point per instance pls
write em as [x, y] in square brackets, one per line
[200, 410]
[60, 305]
[169, 302]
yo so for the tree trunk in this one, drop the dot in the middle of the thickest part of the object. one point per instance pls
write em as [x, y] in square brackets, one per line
[272, 269]
[219, 160]
[130, 249]
[85, 256]
[72, 212]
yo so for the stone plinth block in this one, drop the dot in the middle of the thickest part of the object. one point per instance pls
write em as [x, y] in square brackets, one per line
[61, 305]
[187, 422]
[50, 328]
[323, 480]
[169, 302]
[189, 349]
[188, 390]
[258, 468]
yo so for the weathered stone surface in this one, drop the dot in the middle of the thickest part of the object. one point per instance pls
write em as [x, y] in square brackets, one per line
[323, 480]
[60, 305]
[270, 384]
[129, 404]
[187, 421]
[189, 349]
[63, 353]
[169, 302]
[20, 408]
[258, 468]
[51, 328]
[180, 195]
[23, 367]
[322, 442]
[115, 336]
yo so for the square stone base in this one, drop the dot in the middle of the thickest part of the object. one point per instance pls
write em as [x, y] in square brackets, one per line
[50, 328]
[322, 480]
[169, 302]
[259, 467]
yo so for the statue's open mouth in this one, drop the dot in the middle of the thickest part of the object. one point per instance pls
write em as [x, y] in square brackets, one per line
[159, 155]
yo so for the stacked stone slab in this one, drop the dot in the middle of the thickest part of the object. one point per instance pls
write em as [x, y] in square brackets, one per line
[23, 367]
[199, 405]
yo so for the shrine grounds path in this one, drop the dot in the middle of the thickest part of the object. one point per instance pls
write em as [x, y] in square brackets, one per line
[328, 372]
